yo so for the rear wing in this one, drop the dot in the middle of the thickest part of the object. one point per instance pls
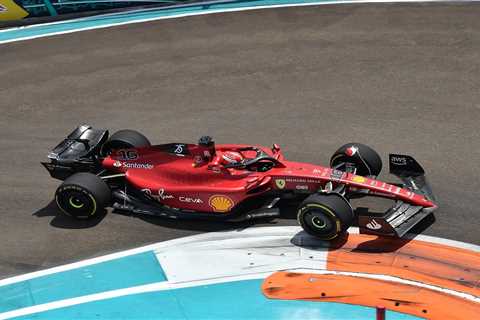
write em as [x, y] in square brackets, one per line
[80, 143]
[402, 217]
[77, 152]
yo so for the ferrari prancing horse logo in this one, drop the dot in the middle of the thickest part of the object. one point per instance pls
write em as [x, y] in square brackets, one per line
[280, 183]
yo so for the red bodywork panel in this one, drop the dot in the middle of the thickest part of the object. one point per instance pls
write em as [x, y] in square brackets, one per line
[190, 177]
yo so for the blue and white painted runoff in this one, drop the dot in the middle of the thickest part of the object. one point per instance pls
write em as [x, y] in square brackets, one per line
[177, 11]
[133, 270]
[215, 276]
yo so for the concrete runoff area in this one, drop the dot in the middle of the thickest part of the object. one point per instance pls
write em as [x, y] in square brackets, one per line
[401, 78]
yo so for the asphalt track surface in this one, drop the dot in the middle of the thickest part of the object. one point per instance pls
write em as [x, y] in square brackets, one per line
[402, 78]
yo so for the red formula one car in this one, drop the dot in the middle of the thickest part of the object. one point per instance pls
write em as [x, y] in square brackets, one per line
[232, 182]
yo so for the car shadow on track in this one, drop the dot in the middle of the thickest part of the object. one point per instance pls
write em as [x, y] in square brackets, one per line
[391, 244]
[288, 212]
[195, 225]
[62, 221]
[369, 245]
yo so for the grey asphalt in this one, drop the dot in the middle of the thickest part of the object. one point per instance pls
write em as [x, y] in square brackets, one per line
[402, 78]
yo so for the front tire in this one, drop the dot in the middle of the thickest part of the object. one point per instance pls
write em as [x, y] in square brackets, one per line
[325, 216]
[365, 159]
[83, 196]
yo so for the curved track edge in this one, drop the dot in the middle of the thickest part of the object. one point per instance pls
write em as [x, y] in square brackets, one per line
[147, 15]
[410, 276]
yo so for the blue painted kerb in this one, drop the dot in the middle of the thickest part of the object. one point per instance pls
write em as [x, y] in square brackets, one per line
[134, 270]
[40, 30]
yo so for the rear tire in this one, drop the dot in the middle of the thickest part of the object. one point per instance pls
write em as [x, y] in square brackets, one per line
[125, 139]
[325, 216]
[365, 159]
[83, 196]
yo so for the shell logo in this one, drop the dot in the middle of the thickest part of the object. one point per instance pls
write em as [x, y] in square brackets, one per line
[220, 203]
[359, 179]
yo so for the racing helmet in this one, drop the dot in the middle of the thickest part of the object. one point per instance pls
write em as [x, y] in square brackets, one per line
[231, 157]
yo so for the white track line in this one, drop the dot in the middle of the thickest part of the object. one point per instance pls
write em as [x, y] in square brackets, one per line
[162, 286]
[212, 236]
[153, 287]
[166, 8]
[394, 279]
[201, 241]
[215, 11]
[92, 261]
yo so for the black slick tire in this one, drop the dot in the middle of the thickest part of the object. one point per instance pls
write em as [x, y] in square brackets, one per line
[325, 216]
[83, 196]
[365, 159]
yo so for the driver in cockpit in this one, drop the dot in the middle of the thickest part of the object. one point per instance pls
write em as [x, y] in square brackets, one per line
[226, 158]
[231, 158]
[234, 159]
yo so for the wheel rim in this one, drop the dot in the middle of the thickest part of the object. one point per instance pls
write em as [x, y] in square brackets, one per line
[319, 221]
[76, 203]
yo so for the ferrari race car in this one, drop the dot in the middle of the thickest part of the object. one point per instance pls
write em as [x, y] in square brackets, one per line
[232, 182]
